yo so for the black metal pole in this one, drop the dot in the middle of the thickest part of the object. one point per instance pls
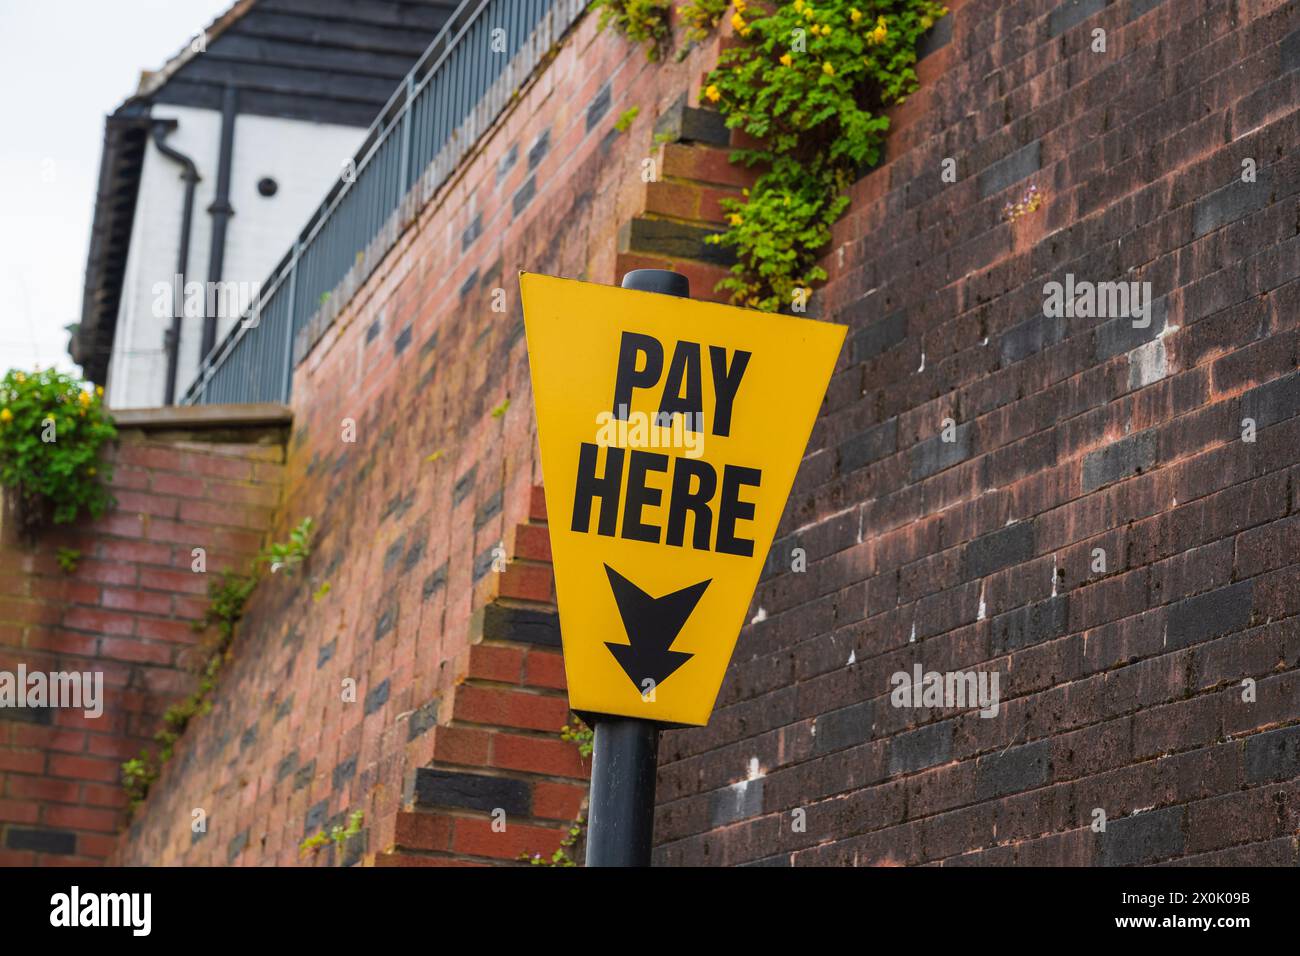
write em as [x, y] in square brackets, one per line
[625, 754]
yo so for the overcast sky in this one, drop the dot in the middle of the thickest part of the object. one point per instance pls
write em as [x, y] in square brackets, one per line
[64, 65]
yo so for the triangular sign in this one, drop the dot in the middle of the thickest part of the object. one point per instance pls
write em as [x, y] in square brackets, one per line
[671, 431]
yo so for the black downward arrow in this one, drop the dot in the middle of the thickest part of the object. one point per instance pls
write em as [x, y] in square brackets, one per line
[652, 624]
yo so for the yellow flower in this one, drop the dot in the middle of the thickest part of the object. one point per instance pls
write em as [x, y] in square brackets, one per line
[712, 93]
[798, 6]
[740, 6]
[99, 390]
[738, 21]
[878, 35]
[786, 59]
[745, 32]
[735, 219]
[828, 69]
[6, 416]
[926, 23]
[19, 377]
[826, 30]
[855, 14]
[84, 398]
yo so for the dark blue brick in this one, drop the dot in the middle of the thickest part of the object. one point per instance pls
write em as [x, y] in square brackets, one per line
[1071, 13]
[471, 791]
[1144, 838]
[376, 698]
[1121, 459]
[845, 727]
[1208, 615]
[921, 748]
[1273, 402]
[1013, 771]
[344, 771]
[1273, 755]
[738, 802]
[62, 842]
[871, 445]
[934, 454]
[598, 108]
[1023, 162]
[1030, 337]
[1231, 202]
[1029, 625]
[879, 336]
[1000, 549]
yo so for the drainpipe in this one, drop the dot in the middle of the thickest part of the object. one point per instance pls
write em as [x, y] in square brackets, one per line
[220, 210]
[172, 338]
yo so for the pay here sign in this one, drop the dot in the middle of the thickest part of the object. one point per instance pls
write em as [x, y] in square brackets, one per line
[670, 431]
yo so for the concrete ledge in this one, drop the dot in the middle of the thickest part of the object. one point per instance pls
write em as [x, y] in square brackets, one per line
[202, 416]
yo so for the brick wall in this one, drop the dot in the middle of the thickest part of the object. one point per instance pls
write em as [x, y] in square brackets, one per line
[1121, 688]
[182, 480]
[432, 538]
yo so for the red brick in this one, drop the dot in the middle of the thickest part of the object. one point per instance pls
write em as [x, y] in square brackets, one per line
[98, 621]
[499, 707]
[424, 831]
[81, 818]
[476, 837]
[557, 801]
[84, 768]
[146, 602]
[527, 582]
[557, 758]
[22, 761]
[18, 811]
[127, 649]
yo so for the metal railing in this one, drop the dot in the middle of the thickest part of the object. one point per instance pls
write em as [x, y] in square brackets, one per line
[453, 94]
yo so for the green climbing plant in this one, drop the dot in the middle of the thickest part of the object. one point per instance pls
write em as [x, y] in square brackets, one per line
[338, 835]
[642, 21]
[53, 427]
[809, 83]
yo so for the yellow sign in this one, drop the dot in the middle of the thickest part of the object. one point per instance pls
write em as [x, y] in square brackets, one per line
[671, 431]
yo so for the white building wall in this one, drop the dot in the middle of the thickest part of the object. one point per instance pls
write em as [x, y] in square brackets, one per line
[303, 158]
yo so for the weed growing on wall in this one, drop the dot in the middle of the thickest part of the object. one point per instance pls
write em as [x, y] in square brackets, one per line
[571, 847]
[641, 21]
[338, 835]
[227, 598]
[810, 83]
[52, 429]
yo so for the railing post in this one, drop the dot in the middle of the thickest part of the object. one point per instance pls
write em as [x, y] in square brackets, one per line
[287, 379]
[406, 137]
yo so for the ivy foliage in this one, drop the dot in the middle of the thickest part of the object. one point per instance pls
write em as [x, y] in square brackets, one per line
[52, 429]
[808, 82]
[642, 21]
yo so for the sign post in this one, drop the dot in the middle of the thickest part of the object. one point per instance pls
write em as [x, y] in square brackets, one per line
[625, 751]
[670, 431]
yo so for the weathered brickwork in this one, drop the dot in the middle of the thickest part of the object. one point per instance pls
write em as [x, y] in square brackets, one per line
[1121, 688]
[441, 603]
[970, 547]
[125, 611]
